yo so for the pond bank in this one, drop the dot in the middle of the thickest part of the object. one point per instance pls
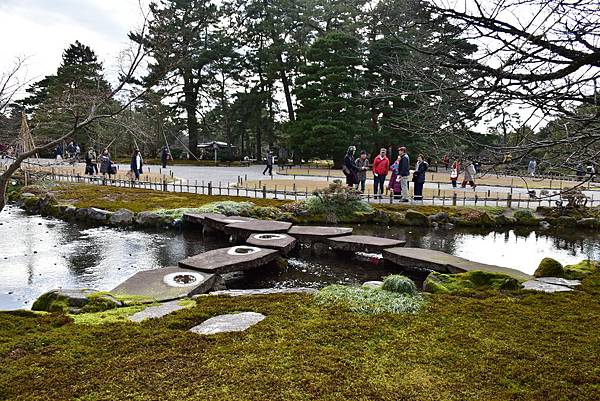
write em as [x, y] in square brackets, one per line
[147, 208]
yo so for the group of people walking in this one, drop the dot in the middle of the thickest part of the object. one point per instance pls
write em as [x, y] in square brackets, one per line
[355, 170]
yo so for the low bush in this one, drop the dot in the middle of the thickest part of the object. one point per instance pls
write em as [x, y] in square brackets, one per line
[370, 301]
[400, 284]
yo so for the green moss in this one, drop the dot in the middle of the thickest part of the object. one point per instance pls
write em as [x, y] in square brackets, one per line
[582, 269]
[549, 267]
[463, 283]
[117, 315]
[309, 351]
[400, 284]
[414, 218]
[50, 302]
[140, 200]
[525, 218]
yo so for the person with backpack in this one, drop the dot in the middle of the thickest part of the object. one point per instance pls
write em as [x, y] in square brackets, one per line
[419, 176]
[349, 167]
[381, 166]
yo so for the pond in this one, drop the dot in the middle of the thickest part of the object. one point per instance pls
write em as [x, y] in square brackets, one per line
[38, 254]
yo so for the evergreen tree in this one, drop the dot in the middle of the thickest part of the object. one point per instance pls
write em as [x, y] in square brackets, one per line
[331, 114]
[60, 101]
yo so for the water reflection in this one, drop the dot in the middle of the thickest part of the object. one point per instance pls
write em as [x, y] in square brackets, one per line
[38, 254]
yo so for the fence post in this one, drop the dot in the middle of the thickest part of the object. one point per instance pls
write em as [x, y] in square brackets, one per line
[209, 188]
[264, 192]
[509, 201]
[454, 197]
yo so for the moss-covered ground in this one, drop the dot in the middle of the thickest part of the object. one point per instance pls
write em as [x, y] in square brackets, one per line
[531, 346]
[139, 200]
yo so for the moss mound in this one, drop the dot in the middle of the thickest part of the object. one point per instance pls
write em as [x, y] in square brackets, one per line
[466, 283]
[549, 268]
[400, 284]
[582, 269]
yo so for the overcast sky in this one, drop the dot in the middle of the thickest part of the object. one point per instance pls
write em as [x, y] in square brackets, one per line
[42, 29]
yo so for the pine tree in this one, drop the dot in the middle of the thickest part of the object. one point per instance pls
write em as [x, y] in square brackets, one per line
[331, 115]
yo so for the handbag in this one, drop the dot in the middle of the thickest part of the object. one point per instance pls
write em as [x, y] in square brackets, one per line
[454, 174]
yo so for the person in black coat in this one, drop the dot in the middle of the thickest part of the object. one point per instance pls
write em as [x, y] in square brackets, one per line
[164, 156]
[350, 168]
[419, 176]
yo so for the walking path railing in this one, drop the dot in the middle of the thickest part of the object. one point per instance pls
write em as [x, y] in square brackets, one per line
[240, 189]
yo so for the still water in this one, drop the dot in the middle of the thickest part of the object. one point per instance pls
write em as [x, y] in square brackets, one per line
[38, 254]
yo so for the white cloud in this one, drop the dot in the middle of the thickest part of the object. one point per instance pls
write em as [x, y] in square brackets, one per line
[42, 29]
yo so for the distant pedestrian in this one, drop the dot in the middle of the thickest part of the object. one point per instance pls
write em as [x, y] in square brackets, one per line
[77, 153]
[404, 172]
[136, 164]
[90, 162]
[363, 165]
[446, 161]
[469, 175]
[106, 166]
[394, 185]
[70, 150]
[58, 152]
[454, 173]
[580, 171]
[165, 156]
[349, 167]
[269, 161]
[381, 166]
[531, 167]
[419, 176]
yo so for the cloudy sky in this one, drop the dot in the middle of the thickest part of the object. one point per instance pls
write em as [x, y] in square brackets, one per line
[41, 29]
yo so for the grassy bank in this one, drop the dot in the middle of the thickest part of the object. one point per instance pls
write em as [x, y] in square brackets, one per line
[526, 347]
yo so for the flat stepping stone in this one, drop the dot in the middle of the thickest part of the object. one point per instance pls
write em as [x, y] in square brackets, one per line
[194, 218]
[265, 291]
[559, 281]
[232, 259]
[278, 241]
[537, 285]
[243, 230]
[443, 262]
[228, 323]
[220, 221]
[156, 311]
[310, 234]
[363, 243]
[166, 284]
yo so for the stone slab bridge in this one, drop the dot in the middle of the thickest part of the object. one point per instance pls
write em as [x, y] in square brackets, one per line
[262, 242]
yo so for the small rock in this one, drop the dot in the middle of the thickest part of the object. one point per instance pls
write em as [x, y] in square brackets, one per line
[372, 284]
[537, 285]
[544, 225]
[228, 323]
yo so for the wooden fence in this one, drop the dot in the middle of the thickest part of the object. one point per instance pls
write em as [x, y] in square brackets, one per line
[458, 198]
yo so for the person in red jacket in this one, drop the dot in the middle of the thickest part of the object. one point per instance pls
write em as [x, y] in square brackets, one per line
[381, 166]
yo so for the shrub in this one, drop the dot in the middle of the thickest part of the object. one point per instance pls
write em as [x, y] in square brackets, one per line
[337, 200]
[399, 284]
[228, 208]
[549, 268]
[370, 301]
[467, 283]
